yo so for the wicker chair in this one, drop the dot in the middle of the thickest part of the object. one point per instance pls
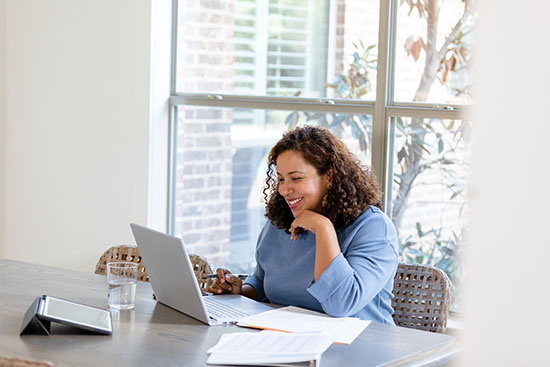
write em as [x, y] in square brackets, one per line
[17, 362]
[422, 297]
[200, 264]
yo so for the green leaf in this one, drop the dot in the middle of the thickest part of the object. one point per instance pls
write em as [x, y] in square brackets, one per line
[445, 264]
[415, 252]
[401, 129]
[366, 119]
[316, 115]
[446, 250]
[292, 120]
[424, 148]
[363, 144]
[355, 132]
[455, 194]
[402, 154]
[429, 127]
[446, 161]
[440, 146]
[337, 120]
[419, 229]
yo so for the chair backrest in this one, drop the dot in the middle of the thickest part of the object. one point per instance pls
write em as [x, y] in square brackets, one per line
[422, 297]
[201, 266]
[122, 253]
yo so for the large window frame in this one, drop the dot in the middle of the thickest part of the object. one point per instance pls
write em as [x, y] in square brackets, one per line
[383, 108]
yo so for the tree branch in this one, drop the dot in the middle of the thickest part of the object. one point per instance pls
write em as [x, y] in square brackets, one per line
[451, 37]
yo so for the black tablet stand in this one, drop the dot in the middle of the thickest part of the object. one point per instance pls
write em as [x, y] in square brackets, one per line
[32, 323]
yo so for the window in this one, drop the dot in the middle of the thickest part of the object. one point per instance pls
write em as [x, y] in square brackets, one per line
[392, 79]
[220, 168]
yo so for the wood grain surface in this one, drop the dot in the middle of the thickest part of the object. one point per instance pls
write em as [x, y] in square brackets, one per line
[155, 335]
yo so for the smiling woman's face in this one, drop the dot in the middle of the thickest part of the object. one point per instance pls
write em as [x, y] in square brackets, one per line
[299, 183]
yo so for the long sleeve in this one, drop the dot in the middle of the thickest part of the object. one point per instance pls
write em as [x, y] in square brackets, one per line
[361, 272]
[257, 279]
[358, 282]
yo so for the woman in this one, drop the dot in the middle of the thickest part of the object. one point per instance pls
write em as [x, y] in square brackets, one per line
[327, 245]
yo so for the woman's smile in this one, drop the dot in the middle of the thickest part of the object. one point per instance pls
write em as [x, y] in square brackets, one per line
[294, 203]
[300, 184]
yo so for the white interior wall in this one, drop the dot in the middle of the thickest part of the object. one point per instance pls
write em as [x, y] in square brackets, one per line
[509, 246]
[78, 127]
[2, 119]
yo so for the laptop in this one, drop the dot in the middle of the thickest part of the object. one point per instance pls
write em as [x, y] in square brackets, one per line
[175, 285]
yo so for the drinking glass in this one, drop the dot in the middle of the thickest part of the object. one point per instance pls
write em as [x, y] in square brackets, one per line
[122, 280]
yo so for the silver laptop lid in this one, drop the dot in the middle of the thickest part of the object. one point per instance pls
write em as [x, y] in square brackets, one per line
[170, 271]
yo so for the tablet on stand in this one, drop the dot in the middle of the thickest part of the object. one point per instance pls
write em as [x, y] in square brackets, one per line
[47, 309]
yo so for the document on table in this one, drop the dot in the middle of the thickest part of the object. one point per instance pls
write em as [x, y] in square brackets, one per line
[298, 320]
[269, 348]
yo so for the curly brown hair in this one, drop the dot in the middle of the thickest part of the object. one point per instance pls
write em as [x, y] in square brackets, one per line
[353, 188]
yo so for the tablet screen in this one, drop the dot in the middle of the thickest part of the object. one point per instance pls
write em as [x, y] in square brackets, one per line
[76, 314]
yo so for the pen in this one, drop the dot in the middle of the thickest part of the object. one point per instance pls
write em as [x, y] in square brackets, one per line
[240, 276]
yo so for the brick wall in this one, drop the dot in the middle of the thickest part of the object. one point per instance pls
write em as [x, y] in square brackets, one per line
[203, 181]
[340, 28]
[204, 153]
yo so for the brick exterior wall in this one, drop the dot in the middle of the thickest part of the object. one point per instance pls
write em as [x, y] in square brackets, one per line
[204, 153]
[340, 33]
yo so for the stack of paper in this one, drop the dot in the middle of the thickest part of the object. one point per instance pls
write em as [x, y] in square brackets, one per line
[298, 320]
[269, 348]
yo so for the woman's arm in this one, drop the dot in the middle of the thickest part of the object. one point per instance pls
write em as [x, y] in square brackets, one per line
[353, 279]
[326, 241]
[249, 291]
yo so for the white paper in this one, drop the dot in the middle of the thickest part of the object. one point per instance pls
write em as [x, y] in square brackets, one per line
[291, 319]
[260, 360]
[298, 320]
[272, 343]
[346, 332]
[267, 348]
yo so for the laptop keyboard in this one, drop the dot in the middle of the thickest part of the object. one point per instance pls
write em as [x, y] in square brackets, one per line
[219, 310]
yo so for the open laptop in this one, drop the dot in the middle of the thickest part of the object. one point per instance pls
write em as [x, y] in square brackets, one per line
[174, 283]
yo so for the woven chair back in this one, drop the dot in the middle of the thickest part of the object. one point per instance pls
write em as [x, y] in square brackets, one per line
[201, 266]
[422, 297]
[122, 253]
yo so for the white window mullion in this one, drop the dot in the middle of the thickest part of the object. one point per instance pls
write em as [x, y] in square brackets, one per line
[274, 103]
[262, 13]
[381, 128]
[331, 52]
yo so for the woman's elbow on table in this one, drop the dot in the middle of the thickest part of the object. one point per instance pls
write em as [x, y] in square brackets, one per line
[344, 306]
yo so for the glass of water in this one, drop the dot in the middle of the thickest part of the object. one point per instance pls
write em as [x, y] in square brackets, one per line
[122, 279]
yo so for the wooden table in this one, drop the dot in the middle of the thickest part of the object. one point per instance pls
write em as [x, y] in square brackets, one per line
[156, 335]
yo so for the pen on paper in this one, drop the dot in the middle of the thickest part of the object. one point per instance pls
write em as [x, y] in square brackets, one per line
[240, 276]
